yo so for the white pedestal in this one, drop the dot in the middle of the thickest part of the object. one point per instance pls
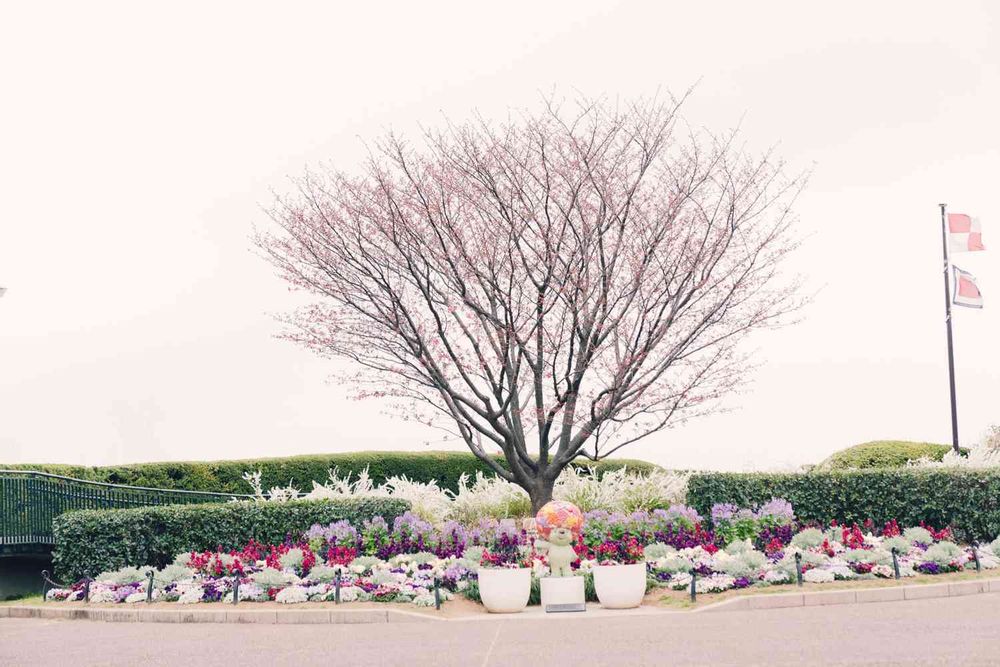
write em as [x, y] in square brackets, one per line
[562, 590]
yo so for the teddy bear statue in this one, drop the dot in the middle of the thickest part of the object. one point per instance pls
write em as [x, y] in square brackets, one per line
[559, 524]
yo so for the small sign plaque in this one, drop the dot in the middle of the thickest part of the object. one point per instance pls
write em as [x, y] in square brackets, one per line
[570, 606]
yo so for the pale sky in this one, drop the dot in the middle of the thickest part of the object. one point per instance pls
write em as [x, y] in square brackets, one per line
[137, 147]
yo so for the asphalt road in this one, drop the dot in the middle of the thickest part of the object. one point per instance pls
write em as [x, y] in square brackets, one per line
[946, 631]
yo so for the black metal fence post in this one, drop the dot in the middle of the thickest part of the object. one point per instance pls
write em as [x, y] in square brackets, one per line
[895, 561]
[149, 587]
[437, 593]
[694, 590]
[86, 590]
[975, 557]
[798, 567]
[236, 589]
[336, 588]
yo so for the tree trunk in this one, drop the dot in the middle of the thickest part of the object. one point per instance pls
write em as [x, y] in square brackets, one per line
[540, 492]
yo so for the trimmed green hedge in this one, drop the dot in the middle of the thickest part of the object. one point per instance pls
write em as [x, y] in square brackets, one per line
[89, 542]
[227, 476]
[968, 500]
[883, 454]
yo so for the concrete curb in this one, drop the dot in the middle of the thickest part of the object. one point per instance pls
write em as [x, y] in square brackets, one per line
[859, 596]
[136, 614]
[244, 615]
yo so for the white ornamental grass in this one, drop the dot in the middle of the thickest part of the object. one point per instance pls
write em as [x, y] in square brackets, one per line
[985, 454]
[620, 491]
[489, 496]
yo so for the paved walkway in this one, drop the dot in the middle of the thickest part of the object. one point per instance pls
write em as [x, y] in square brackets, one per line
[921, 632]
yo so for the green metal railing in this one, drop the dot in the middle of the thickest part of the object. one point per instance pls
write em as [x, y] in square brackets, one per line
[30, 500]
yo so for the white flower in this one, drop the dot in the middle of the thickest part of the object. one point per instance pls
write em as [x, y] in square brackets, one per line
[818, 576]
[292, 595]
[988, 562]
[138, 596]
[102, 594]
[351, 593]
[777, 577]
[680, 581]
[191, 594]
[713, 584]
[842, 572]
[883, 571]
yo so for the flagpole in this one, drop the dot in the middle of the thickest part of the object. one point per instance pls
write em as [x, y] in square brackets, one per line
[951, 351]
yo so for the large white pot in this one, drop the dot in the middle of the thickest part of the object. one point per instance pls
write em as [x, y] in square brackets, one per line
[505, 590]
[620, 586]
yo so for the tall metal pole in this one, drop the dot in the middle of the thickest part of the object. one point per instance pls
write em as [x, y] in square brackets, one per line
[951, 351]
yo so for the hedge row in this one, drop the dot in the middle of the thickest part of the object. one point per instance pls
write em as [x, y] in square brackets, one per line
[884, 454]
[227, 476]
[89, 542]
[968, 500]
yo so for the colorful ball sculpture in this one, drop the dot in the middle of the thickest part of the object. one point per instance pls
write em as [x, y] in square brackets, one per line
[558, 514]
[559, 524]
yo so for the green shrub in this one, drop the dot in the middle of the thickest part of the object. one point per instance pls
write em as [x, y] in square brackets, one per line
[883, 454]
[301, 471]
[967, 499]
[89, 542]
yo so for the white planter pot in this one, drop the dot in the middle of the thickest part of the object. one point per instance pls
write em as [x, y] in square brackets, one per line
[505, 591]
[620, 586]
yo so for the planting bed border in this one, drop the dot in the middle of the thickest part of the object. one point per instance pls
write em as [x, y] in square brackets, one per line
[221, 614]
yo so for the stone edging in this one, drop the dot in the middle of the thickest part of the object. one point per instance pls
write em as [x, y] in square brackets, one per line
[269, 616]
[855, 596]
[53, 610]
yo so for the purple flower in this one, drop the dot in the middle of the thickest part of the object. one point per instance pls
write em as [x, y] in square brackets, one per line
[928, 568]
[776, 508]
[683, 513]
[722, 512]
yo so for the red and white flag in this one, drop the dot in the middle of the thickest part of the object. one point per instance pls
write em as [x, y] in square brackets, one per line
[964, 233]
[966, 290]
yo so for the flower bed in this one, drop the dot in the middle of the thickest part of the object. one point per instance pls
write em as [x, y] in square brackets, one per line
[400, 562]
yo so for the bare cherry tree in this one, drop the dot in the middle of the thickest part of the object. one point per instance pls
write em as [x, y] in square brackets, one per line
[560, 285]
